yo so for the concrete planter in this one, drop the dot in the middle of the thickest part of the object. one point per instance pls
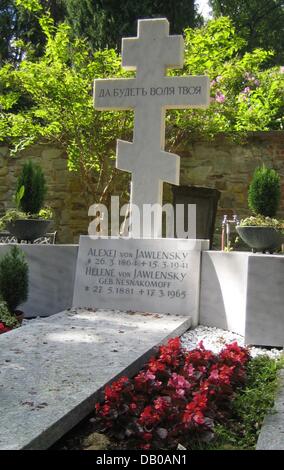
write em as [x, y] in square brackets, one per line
[28, 229]
[261, 238]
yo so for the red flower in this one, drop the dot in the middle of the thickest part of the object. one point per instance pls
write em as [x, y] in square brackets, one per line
[113, 391]
[226, 373]
[176, 394]
[145, 446]
[105, 410]
[133, 406]
[178, 381]
[4, 328]
[200, 400]
[174, 344]
[214, 375]
[189, 369]
[149, 416]
[234, 353]
[162, 403]
[144, 377]
[198, 417]
[156, 366]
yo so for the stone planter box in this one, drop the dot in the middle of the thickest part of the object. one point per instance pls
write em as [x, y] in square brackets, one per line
[28, 229]
[243, 293]
[261, 238]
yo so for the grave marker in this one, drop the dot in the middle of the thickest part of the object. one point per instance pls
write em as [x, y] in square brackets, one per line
[158, 275]
[150, 94]
[146, 275]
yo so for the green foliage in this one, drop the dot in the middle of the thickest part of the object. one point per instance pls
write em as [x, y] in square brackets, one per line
[6, 317]
[33, 181]
[244, 95]
[264, 192]
[19, 196]
[21, 33]
[249, 407]
[10, 216]
[252, 403]
[51, 98]
[103, 23]
[14, 214]
[259, 22]
[13, 278]
[46, 213]
[262, 221]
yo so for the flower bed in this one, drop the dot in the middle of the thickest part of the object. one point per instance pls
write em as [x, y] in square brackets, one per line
[178, 396]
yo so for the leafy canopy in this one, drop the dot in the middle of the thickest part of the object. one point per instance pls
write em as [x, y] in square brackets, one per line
[20, 32]
[259, 22]
[245, 96]
[104, 22]
[50, 98]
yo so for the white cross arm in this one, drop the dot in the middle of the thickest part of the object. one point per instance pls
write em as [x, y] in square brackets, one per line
[171, 52]
[153, 50]
[169, 92]
[164, 165]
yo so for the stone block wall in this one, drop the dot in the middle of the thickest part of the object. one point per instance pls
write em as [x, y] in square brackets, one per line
[220, 164]
[64, 193]
[229, 167]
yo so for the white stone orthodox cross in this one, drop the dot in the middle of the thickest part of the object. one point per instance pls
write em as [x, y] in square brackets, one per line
[150, 94]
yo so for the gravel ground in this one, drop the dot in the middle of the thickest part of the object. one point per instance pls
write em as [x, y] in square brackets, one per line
[215, 339]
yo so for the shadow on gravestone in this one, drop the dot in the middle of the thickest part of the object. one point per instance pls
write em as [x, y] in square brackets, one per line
[206, 201]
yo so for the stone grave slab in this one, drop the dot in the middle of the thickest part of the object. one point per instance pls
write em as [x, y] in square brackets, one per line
[147, 275]
[53, 370]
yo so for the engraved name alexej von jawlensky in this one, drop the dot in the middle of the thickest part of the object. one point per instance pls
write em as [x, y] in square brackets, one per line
[152, 91]
[138, 274]
[150, 254]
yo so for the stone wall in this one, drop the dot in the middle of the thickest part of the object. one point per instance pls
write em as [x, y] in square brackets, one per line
[219, 164]
[64, 193]
[229, 167]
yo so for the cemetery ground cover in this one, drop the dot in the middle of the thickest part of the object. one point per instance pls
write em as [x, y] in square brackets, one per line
[194, 398]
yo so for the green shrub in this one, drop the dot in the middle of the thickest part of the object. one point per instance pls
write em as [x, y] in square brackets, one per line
[264, 192]
[13, 278]
[6, 317]
[33, 181]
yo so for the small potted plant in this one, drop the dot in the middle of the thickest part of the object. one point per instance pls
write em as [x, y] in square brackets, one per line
[14, 280]
[262, 231]
[30, 220]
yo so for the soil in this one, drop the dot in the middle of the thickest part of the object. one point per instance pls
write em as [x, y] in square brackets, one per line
[86, 436]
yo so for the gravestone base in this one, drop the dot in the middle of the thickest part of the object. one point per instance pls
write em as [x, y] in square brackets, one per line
[53, 370]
